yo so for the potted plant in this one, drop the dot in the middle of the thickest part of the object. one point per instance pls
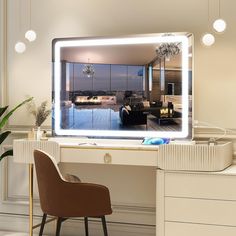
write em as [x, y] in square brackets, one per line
[4, 134]
[40, 114]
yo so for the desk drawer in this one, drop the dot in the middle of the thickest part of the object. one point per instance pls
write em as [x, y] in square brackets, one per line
[109, 156]
[195, 185]
[200, 211]
[183, 229]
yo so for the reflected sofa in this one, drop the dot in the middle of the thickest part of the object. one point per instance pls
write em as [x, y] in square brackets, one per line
[132, 117]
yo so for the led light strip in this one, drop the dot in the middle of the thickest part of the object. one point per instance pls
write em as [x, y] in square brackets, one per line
[122, 41]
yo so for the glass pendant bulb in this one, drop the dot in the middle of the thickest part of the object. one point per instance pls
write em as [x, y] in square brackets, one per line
[30, 35]
[219, 25]
[208, 39]
[20, 47]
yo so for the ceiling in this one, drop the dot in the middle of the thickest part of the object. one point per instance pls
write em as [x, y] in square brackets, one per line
[137, 54]
[118, 54]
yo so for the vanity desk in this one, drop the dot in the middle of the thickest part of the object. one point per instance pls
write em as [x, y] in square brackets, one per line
[187, 202]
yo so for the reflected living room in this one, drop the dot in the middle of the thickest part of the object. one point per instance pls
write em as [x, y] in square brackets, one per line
[122, 87]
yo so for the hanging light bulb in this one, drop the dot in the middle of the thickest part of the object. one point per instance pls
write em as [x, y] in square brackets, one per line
[219, 24]
[20, 47]
[208, 39]
[30, 35]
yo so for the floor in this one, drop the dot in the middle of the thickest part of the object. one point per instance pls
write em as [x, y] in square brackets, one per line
[9, 233]
[108, 119]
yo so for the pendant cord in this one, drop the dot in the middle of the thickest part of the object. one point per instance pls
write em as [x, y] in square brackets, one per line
[208, 14]
[19, 16]
[30, 9]
[219, 9]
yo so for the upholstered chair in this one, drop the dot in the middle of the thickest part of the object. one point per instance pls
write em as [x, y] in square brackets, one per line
[68, 198]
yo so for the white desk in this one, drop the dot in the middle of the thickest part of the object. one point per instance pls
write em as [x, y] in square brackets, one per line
[188, 203]
[71, 150]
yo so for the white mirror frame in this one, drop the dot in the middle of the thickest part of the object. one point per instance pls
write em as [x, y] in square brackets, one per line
[58, 44]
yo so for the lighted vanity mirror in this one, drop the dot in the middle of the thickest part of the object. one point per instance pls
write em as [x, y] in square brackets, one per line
[134, 86]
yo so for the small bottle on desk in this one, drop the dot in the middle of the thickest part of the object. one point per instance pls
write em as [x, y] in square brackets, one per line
[44, 136]
[31, 134]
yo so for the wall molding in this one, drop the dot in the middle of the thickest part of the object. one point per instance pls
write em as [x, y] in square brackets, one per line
[3, 49]
[214, 132]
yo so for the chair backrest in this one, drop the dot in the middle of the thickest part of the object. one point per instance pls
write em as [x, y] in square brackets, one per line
[61, 198]
[49, 179]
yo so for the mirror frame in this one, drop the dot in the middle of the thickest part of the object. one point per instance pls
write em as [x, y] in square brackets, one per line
[58, 44]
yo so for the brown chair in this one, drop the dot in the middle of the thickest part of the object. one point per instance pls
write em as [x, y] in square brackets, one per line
[64, 199]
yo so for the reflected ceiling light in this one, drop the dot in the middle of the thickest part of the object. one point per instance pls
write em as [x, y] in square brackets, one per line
[219, 24]
[30, 35]
[88, 70]
[20, 47]
[167, 50]
[208, 39]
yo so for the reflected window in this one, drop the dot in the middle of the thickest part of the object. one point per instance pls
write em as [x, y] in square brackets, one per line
[135, 78]
[101, 78]
[118, 77]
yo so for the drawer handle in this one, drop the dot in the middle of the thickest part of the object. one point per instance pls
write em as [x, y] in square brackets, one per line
[107, 158]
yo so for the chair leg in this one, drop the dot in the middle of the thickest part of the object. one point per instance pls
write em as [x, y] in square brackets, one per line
[86, 226]
[104, 226]
[42, 224]
[59, 221]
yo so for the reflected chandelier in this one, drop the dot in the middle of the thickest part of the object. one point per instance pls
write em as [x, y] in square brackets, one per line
[88, 70]
[167, 50]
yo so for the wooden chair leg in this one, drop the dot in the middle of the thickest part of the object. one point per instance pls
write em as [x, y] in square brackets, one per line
[104, 226]
[42, 224]
[59, 221]
[86, 226]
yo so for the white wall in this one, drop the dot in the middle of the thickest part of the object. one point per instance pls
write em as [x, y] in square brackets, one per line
[30, 74]
[214, 72]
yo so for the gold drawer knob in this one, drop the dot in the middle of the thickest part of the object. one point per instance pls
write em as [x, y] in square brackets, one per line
[107, 158]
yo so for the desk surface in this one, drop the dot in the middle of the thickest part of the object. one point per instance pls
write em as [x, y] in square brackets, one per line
[117, 144]
[97, 151]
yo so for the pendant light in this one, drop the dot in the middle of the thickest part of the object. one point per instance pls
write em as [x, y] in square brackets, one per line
[219, 24]
[208, 39]
[30, 35]
[88, 70]
[19, 46]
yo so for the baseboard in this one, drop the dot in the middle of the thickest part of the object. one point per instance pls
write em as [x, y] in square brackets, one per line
[19, 223]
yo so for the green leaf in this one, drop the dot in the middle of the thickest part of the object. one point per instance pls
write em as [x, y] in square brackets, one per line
[6, 117]
[7, 153]
[4, 135]
[2, 110]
